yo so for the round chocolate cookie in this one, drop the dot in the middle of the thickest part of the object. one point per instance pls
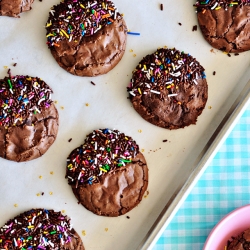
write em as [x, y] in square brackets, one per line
[40, 229]
[108, 174]
[169, 89]
[28, 118]
[14, 7]
[240, 242]
[87, 38]
[225, 24]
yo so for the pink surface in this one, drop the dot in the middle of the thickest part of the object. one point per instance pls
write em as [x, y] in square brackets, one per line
[230, 225]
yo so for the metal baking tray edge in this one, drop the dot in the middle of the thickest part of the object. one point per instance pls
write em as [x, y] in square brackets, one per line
[200, 165]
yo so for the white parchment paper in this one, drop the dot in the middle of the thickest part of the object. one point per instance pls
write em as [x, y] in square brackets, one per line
[23, 41]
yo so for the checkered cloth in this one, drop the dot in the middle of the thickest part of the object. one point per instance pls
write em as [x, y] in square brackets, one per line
[224, 186]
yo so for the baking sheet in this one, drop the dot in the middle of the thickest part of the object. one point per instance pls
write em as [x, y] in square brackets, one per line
[202, 162]
[170, 163]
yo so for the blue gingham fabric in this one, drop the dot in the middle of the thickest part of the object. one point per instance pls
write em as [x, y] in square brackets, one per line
[223, 187]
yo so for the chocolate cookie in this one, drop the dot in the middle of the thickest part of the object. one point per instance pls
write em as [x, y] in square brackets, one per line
[169, 89]
[225, 24]
[40, 229]
[241, 242]
[14, 7]
[28, 118]
[108, 174]
[87, 38]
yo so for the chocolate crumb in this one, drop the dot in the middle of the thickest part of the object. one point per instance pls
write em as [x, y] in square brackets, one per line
[164, 140]
[14, 64]
[228, 55]
[42, 193]
[70, 140]
[180, 24]
[92, 82]
[127, 217]
[194, 28]
[214, 73]
[161, 6]
[9, 72]
[236, 54]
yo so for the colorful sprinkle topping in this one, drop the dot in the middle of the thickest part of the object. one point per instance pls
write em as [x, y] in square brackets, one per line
[22, 97]
[166, 68]
[36, 229]
[72, 20]
[133, 33]
[216, 5]
[103, 150]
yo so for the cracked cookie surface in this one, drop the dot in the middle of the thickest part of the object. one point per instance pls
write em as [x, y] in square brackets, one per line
[14, 7]
[108, 174]
[86, 38]
[169, 89]
[28, 118]
[226, 27]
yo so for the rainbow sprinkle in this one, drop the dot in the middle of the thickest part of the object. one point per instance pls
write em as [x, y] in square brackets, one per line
[133, 33]
[164, 70]
[36, 229]
[104, 150]
[71, 20]
[201, 5]
[21, 97]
